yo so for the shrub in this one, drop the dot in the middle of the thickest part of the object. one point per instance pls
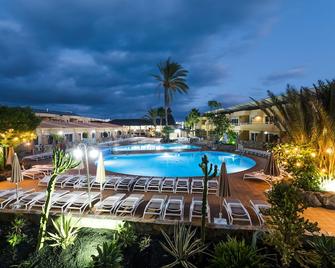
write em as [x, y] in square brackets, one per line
[144, 243]
[324, 247]
[66, 232]
[109, 255]
[236, 254]
[126, 235]
[17, 235]
[286, 225]
[183, 246]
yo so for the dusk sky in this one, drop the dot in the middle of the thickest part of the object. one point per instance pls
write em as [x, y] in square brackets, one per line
[95, 57]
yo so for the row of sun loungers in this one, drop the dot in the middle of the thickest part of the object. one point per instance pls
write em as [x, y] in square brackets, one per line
[159, 206]
[144, 184]
[37, 157]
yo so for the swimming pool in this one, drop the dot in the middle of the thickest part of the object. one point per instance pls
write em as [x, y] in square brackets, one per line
[171, 164]
[153, 147]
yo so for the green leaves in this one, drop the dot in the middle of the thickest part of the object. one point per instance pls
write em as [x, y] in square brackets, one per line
[65, 232]
[183, 246]
[109, 255]
[62, 161]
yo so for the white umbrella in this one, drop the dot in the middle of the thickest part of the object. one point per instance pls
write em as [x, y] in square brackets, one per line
[16, 176]
[10, 156]
[101, 173]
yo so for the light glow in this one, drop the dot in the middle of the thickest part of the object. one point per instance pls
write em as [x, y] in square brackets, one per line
[60, 133]
[98, 223]
[329, 151]
[93, 153]
[77, 153]
[328, 185]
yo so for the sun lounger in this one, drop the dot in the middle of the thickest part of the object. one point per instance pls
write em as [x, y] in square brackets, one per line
[109, 204]
[168, 185]
[38, 203]
[74, 180]
[141, 184]
[32, 173]
[83, 183]
[258, 207]
[155, 206]
[26, 199]
[111, 182]
[257, 175]
[212, 186]
[10, 197]
[197, 186]
[154, 185]
[129, 205]
[196, 209]
[62, 179]
[44, 181]
[46, 169]
[236, 211]
[8, 191]
[63, 201]
[182, 185]
[81, 202]
[174, 207]
[125, 184]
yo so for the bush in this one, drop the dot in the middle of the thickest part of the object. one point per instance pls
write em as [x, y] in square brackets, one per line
[286, 225]
[236, 254]
[324, 248]
[126, 235]
[109, 255]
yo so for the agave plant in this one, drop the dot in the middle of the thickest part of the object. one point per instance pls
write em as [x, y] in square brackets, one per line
[144, 243]
[183, 246]
[66, 232]
[236, 254]
[324, 247]
[109, 255]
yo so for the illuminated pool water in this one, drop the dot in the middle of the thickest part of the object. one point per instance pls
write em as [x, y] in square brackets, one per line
[153, 147]
[170, 164]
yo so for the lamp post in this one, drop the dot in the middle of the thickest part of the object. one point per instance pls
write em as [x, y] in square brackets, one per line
[79, 152]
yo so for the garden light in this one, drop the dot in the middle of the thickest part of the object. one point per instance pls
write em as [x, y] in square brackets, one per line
[93, 153]
[77, 153]
[329, 151]
[313, 155]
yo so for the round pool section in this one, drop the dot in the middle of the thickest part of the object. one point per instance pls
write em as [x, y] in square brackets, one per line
[170, 164]
[153, 147]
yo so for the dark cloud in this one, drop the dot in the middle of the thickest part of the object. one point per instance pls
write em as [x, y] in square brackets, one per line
[284, 76]
[96, 57]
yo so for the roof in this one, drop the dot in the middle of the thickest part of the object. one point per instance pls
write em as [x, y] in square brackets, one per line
[141, 121]
[64, 124]
[47, 111]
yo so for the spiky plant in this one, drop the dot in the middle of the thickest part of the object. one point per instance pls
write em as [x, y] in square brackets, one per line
[172, 78]
[62, 162]
[109, 255]
[209, 173]
[66, 232]
[183, 246]
[324, 247]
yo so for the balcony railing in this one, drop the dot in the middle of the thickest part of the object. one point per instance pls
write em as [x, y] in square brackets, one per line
[251, 123]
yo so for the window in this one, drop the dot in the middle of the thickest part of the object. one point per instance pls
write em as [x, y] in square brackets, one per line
[234, 121]
[253, 136]
[269, 119]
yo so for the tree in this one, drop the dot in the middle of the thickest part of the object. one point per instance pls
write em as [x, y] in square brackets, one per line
[213, 104]
[221, 124]
[161, 115]
[209, 173]
[192, 118]
[17, 125]
[62, 162]
[152, 115]
[172, 78]
[307, 117]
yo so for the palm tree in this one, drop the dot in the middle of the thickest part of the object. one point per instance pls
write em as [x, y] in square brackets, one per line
[213, 104]
[161, 115]
[193, 118]
[172, 78]
[152, 115]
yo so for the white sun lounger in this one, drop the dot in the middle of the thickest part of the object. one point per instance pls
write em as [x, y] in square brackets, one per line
[236, 211]
[83, 183]
[32, 173]
[196, 208]
[39, 203]
[182, 185]
[197, 186]
[154, 184]
[8, 191]
[129, 205]
[141, 184]
[26, 199]
[81, 202]
[174, 207]
[111, 182]
[155, 206]
[74, 180]
[62, 179]
[44, 181]
[168, 185]
[259, 206]
[63, 201]
[109, 204]
[124, 184]
[12, 197]
[212, 186]
[257, 175]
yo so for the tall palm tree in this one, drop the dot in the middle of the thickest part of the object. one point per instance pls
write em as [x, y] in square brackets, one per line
[193, 118]
[152, 115]
[172, 78]
[161, 115]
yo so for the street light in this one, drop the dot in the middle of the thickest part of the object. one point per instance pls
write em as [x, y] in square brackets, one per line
[78, 153]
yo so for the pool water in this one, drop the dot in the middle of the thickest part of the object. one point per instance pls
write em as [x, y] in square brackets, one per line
[171, 164]
[153, 147]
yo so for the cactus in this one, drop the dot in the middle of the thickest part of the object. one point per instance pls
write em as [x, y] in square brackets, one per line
[209, 173]
[62, 162]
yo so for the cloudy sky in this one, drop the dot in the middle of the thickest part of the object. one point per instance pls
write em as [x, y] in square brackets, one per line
[95, 57]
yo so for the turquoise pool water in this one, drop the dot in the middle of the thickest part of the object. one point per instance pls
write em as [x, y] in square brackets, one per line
[153, 147]
[171, 164]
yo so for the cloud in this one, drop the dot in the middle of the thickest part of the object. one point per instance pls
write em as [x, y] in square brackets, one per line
[96, 57]
[284, 76]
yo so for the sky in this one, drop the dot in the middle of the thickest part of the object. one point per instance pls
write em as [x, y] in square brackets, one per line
[96, 58]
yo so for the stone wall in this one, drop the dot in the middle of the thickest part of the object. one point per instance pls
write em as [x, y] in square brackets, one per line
[320, 199]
